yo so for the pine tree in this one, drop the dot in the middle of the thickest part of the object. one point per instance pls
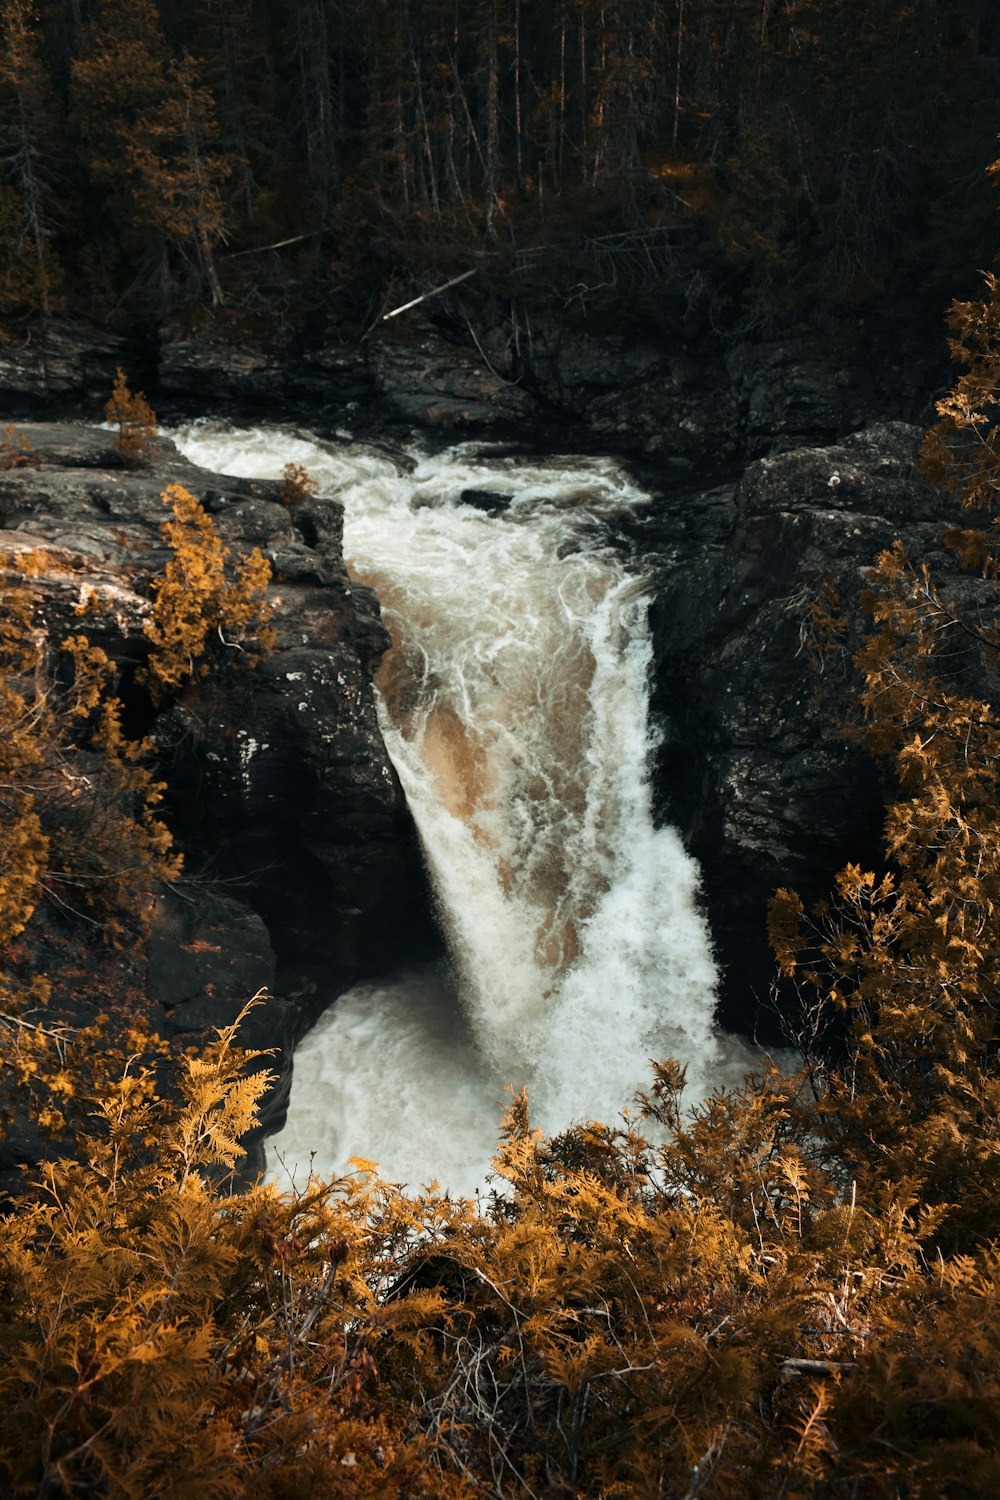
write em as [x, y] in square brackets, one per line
[31, 276]
[149, 126]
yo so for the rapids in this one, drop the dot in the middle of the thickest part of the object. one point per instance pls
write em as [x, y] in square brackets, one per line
[514, 704]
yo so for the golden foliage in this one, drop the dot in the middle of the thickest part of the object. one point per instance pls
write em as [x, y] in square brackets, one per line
[77, 828]
[902, 963]
[630, 1314]
[298, 485]
[136, 423]
[206, 606]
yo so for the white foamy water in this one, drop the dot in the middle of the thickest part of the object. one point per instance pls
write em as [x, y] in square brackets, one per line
[514, 704]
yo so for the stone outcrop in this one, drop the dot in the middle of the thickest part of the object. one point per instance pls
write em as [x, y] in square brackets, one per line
[301, 863]
[468, 363]
[63, 364]
[212, 361]
[758, 765]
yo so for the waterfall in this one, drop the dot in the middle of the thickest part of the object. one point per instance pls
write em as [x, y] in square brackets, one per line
[514, 704]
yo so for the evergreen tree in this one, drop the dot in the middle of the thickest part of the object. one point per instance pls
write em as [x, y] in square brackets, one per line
[31, 275]
[149, 126]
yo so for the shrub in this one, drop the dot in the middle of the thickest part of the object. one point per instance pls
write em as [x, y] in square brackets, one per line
[77, 827]
[207, 606]
[714, 1314]
[298, 485]
[136, 423]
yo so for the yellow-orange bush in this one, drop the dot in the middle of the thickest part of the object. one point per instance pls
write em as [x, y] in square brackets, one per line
[206, 606]
[89, 840]
[135, 420]
[716, 1314]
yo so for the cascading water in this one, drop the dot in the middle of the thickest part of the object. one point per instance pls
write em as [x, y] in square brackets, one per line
[514, 704]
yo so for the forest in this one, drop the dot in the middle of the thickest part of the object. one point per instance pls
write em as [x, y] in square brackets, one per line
[721, 162]
[790, 1290]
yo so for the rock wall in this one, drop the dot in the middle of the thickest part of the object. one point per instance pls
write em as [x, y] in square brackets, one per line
[465, 364]
[468, 363]
[758, 765]
[302, 869]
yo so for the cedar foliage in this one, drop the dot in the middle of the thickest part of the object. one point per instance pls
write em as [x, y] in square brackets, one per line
[136, 423]
[907, 957]
[626, 1318]
[79, 829]
[206, 606]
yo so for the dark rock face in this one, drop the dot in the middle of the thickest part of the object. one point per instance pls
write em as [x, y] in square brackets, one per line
[284, 782]
[208, 361]
[280, 790]
[62, 362]
[469, 365]
[208, 955]
[757, 765]
[431, 382]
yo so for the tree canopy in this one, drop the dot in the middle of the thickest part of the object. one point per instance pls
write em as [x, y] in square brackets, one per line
[727, 160]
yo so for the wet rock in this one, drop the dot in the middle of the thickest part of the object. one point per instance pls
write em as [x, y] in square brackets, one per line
[470, 363]
[492, 502]
[210, 956]
[279, 785]
[443, 386]
[758, 764]
[62, 362]
[228, 359]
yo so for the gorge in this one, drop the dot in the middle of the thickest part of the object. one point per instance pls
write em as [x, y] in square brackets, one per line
[530, 619]
[514, 703]
[535, 604]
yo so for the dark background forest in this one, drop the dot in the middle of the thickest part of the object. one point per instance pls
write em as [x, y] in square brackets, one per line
[705, 166]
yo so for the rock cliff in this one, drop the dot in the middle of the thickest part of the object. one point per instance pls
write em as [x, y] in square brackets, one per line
[302, 870]
[758, 764]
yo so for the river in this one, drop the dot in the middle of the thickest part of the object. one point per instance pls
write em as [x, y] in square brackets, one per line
[515, 706]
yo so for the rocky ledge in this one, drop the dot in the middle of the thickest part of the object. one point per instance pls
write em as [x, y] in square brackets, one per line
[470, 364]
[302, 870]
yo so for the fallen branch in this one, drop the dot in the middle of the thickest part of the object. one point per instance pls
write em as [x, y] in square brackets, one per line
[816, 1366]
[296, 239]
[433, 293]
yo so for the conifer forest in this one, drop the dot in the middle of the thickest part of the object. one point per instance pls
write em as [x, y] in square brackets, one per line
[788, 1289]
[755, 154]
